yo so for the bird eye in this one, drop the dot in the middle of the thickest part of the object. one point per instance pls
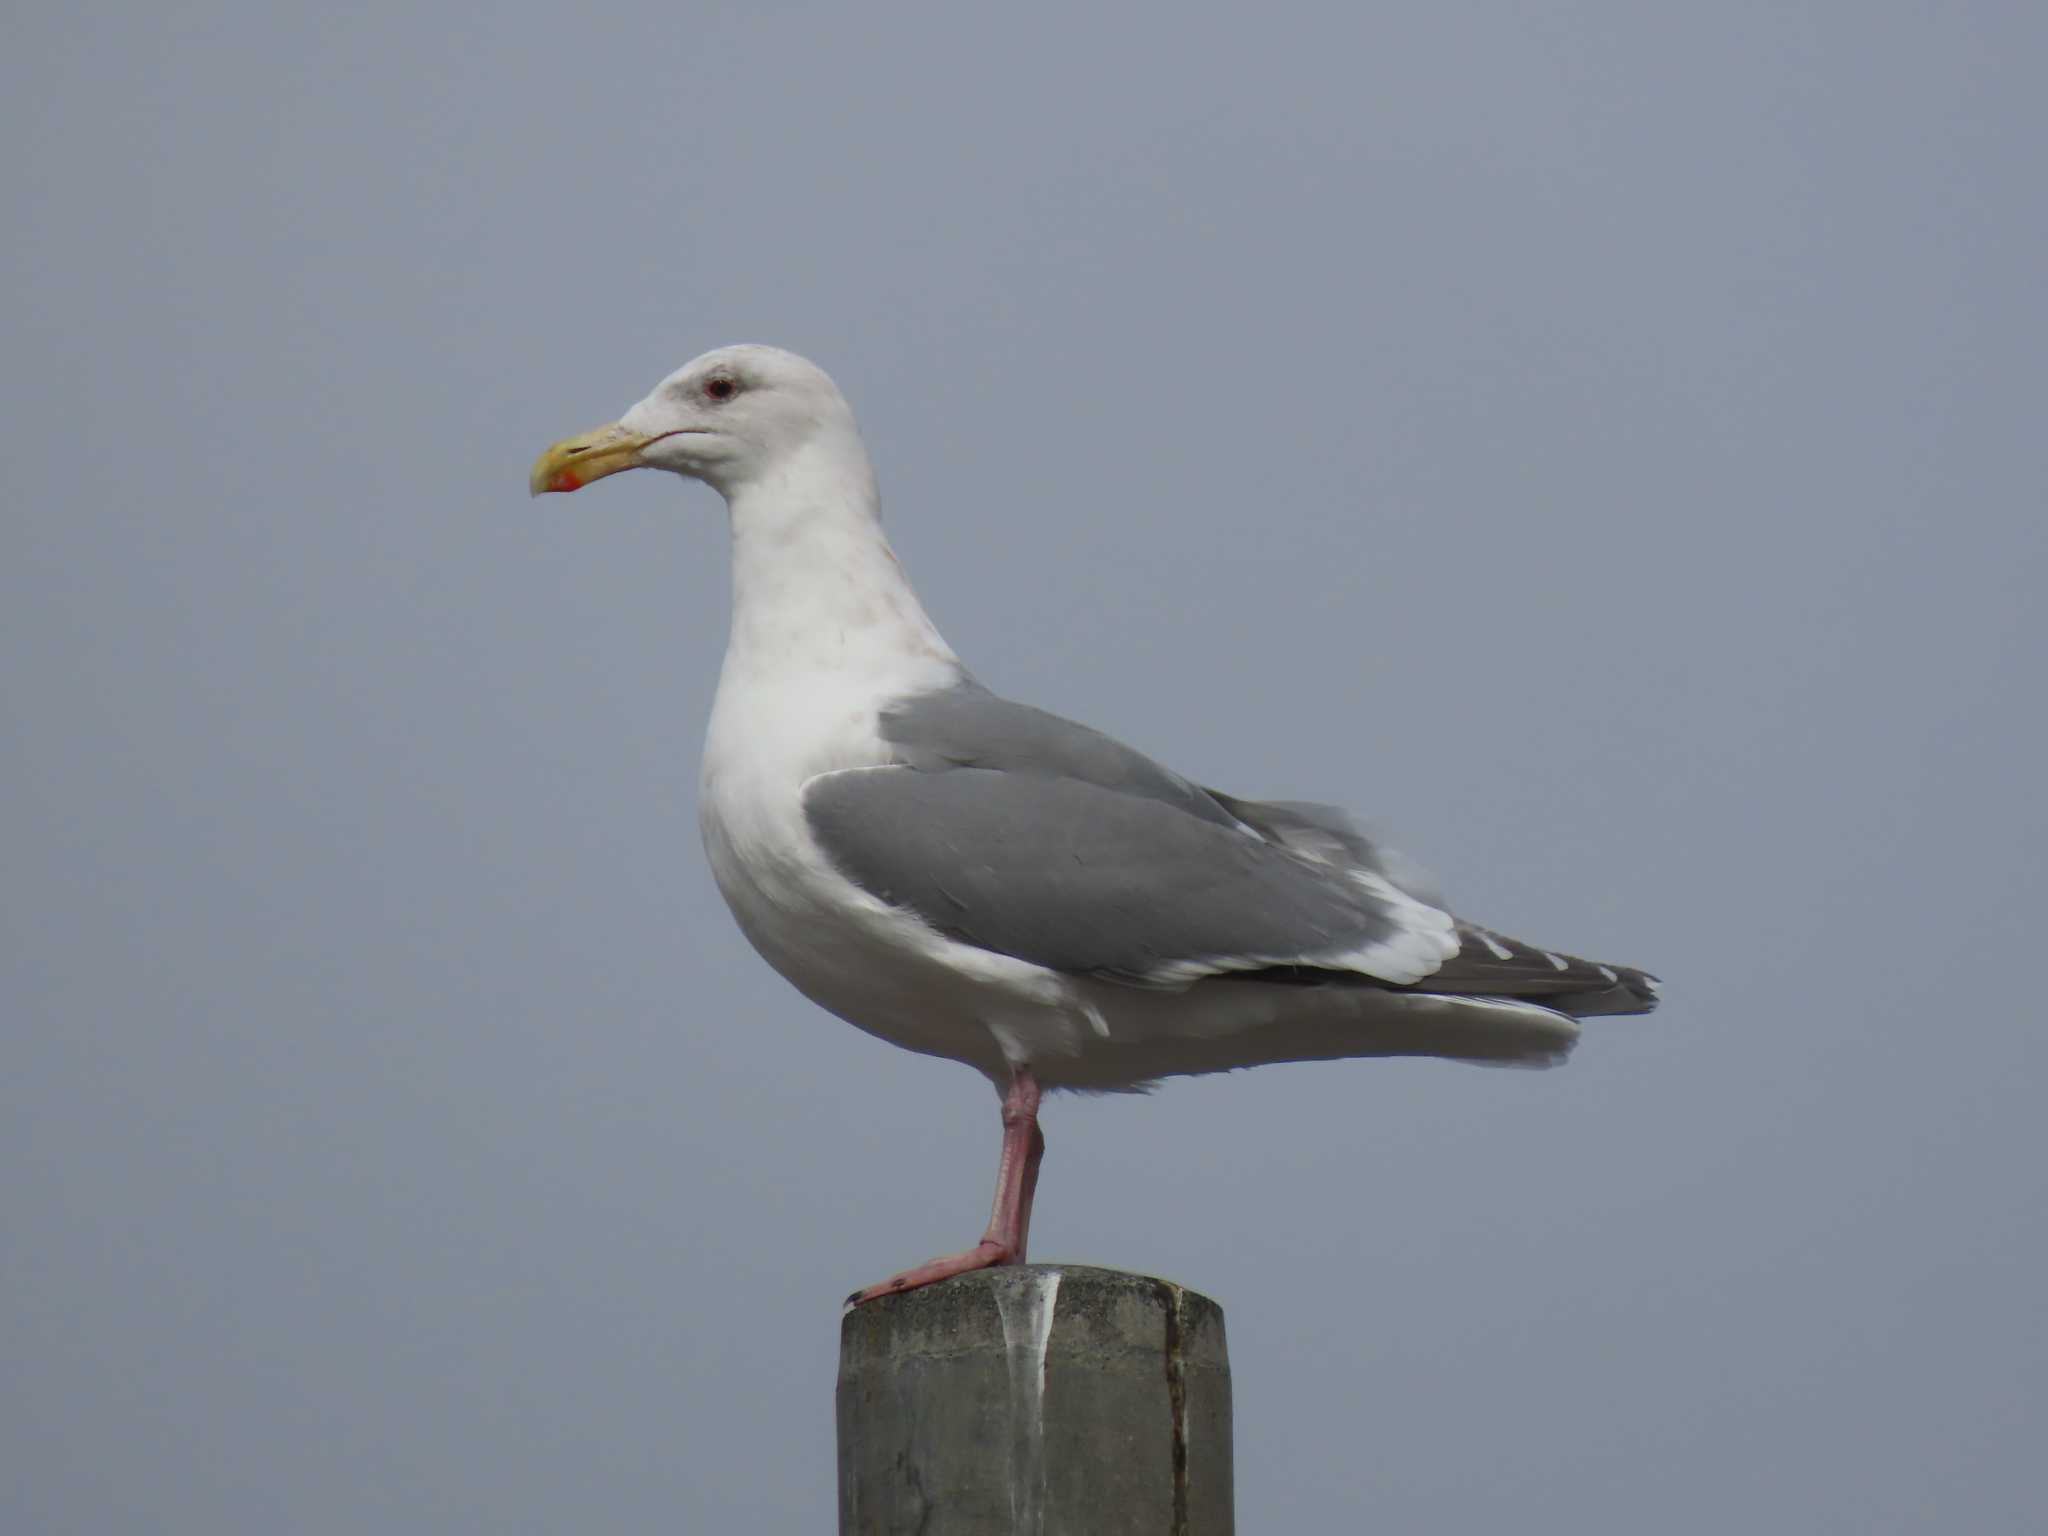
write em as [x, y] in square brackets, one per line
[720, 389]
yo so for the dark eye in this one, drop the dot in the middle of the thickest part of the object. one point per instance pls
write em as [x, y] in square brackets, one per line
[720, 389]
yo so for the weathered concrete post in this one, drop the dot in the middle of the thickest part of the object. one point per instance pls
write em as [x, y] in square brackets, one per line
[1046, 1400]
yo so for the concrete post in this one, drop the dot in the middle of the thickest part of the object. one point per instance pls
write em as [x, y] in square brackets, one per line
[1046, 1400]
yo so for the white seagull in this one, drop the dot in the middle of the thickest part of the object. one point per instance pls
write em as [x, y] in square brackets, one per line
[980, 880]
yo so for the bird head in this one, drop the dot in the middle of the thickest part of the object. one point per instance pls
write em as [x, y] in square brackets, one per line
[726, 418]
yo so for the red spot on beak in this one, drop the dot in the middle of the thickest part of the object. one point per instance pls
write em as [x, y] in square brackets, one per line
[567, 481]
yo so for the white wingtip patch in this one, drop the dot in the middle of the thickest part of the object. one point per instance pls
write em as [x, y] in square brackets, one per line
[1424, 938]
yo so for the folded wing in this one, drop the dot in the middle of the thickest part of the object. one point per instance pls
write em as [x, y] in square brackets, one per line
[1029, 835]
[1096, 882]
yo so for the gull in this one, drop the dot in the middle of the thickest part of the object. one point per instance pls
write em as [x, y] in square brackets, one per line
[976, 879]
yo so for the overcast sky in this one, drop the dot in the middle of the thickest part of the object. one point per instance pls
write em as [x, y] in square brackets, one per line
[1602, 443]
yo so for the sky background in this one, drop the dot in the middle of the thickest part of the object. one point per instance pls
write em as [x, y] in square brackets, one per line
[1601, 443]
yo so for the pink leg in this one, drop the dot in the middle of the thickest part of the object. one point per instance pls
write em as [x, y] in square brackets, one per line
[1009, 1223]
[1033, 1156]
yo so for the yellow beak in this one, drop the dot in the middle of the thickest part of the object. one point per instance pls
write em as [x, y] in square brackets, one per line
[574, 462]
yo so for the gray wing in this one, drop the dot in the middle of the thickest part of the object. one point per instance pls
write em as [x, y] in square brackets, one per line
[1162, 881]
[1093, 881]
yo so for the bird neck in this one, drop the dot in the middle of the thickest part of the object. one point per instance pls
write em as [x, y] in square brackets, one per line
[816, 588]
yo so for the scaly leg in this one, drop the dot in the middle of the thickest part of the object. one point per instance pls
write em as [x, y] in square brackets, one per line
[1009, 1221]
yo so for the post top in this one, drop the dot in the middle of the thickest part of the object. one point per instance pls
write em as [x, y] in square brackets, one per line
[1080, 1308]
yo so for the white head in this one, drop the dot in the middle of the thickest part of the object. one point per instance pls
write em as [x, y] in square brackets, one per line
[728, 418]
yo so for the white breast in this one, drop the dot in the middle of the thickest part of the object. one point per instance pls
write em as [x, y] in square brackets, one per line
[874, 965]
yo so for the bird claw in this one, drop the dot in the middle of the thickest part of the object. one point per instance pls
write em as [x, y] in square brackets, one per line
[986, 1254]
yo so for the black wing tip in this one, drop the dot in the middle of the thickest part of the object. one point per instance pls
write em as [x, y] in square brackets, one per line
[1491, 963]
[1634, 992]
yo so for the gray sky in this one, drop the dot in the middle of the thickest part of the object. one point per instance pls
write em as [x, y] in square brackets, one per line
[1601, 442]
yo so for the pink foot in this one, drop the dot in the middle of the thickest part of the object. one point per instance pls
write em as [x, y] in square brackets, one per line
[983, 1255]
